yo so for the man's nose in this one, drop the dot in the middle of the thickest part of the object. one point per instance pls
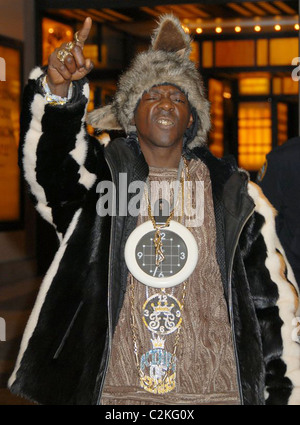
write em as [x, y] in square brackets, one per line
[166, 104]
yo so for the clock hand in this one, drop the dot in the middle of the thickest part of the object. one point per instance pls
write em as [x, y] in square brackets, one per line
[158, 247]
[155, 271]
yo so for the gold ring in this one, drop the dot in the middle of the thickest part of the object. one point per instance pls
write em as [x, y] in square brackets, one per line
[76, 38]
[69, 46]
[62, 54]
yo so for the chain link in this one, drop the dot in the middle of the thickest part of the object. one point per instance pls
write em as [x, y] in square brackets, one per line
[135, 338]
[133, 326]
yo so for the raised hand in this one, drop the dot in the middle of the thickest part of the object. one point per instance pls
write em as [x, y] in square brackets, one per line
[67, 63]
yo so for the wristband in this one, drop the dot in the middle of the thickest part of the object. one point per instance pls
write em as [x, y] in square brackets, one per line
[53, 99]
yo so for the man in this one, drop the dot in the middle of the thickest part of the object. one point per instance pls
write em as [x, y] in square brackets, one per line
[279, 179]
[156, 308]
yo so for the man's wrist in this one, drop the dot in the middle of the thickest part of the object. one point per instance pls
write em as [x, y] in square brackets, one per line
[60, 97]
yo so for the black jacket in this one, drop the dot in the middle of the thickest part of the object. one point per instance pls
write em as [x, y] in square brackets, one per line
[280, 181]
[65, 349]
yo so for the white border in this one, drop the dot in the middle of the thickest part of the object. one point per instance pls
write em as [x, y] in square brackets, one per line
[164, 282]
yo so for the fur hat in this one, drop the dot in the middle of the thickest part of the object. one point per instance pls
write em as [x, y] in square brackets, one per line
[166, 62]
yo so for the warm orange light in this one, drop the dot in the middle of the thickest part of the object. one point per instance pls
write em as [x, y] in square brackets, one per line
[277, 27]
[219, 30]
[227, 95]
[257, 28]
[296, 26]
[185, 29]
[69, 32]
[237, 29]
[51, 30]
[199, 30]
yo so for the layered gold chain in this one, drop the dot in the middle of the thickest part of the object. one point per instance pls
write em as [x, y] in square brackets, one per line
[166, 379]
[159, 256]
[134, 332]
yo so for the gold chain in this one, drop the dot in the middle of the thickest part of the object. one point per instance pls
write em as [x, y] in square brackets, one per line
[134, 332]
[159, 258]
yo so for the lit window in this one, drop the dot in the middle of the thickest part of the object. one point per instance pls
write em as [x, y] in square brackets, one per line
[215, 94]
[283, 50]
[254, 134]
[255, 85]
[234, 53]
[282, 123]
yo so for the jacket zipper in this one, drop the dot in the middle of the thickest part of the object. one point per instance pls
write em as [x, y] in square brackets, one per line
[231, 306]
[108, 300]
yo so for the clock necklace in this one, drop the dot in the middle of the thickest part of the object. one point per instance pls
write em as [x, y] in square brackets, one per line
[160, 254]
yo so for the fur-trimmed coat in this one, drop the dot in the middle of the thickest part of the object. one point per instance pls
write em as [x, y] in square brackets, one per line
[64, 353]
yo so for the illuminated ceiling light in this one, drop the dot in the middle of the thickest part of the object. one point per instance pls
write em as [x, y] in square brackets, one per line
[257, 28]
[227, 95]
[185, 29]
[199, 30]
[237, 29]
[218, 30]
[277, 27]
[51, 30]
[296, 26]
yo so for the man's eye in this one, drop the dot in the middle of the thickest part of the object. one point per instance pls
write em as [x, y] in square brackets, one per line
[179, 100]
[151, 97]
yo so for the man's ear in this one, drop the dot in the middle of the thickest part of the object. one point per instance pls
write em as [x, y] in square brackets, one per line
[191, 120]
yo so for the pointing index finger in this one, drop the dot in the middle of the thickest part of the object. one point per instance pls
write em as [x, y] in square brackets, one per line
[84, 32]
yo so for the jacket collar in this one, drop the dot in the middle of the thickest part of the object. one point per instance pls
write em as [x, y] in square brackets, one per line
[126, 157]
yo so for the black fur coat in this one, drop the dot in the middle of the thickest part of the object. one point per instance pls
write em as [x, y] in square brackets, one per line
[64, 352]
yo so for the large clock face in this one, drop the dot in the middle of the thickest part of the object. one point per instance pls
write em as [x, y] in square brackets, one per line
[179, 250]
[174, 250]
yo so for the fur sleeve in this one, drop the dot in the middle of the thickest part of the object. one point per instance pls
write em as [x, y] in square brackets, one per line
[276, 298]
[55, 153]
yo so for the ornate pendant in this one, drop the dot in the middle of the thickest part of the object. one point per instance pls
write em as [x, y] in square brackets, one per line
[162, 313]
[159, 375]
[161, 316]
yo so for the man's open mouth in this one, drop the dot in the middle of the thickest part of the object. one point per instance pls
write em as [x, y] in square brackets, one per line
[165, 122]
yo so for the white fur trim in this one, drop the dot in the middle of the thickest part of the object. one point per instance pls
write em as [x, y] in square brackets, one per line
[33, 319]
[36, 73]
[87, 179]
[31, 142]
[288, 300]
[86, 90]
